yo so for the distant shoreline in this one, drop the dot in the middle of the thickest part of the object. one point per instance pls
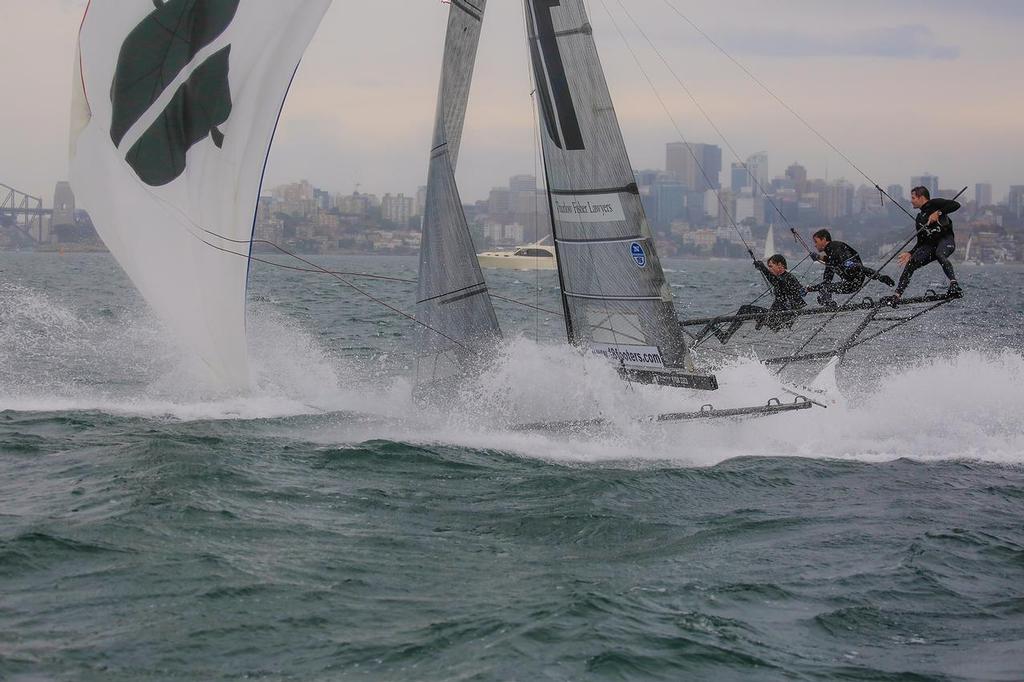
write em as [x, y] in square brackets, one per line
[79, 249]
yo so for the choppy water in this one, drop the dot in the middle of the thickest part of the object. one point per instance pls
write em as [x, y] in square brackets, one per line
[320, 528]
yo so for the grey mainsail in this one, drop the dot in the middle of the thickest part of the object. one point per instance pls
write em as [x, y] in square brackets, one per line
[452, 299]
[616, 299]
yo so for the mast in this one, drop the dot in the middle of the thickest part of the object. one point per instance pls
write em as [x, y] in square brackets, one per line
[558, 255]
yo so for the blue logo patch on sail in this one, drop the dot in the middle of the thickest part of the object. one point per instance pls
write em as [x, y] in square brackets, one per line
[637, 251]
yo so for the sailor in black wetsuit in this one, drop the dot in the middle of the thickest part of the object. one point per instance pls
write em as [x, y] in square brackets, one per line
[840, 259]
[935, 240]
[788, 292]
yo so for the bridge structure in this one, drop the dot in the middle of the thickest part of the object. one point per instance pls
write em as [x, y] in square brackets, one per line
[22, 215]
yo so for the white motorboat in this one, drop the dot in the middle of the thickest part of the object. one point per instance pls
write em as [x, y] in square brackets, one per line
[535, 256]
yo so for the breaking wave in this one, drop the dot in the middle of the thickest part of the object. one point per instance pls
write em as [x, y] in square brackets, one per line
[961, 405]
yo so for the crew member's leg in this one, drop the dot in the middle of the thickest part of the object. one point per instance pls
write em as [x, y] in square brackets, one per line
[779, 316]
[919, 257]
[736, 324]
[724, 336]
[943, 250]
[843, 286]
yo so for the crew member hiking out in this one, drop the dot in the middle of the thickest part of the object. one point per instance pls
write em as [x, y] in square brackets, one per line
[935, 241]
[840, 259]
[789, 295]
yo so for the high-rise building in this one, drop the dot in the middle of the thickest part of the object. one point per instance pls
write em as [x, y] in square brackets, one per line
[322, 199]
[798, 175]
[522, 183]
[712, 163]
[746, 206]
[929, 182]
[646, 178]
[295, 192]
[356, 203]
[697, 167]
[499, 205]
[895, 192]
[739, 178]
[1016, 200]
[523, 197]
[983, 194]
[757, 170]
[421, 200]
[397, 209]
[670, 198]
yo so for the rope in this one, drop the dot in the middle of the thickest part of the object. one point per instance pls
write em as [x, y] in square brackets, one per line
[675, 125]
[693, 98]
[866, 280]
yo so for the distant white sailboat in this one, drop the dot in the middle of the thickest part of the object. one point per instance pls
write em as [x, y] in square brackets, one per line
[769, 243]
[968, 258]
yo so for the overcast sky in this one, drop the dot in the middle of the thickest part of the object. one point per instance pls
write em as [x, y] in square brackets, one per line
[901, 87]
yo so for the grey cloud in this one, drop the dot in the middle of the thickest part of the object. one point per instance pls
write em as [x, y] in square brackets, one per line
[899, 42]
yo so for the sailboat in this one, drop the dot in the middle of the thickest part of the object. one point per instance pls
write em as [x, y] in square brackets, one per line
[769, 243]
[615, 298]
[174, 108]
[970, 254]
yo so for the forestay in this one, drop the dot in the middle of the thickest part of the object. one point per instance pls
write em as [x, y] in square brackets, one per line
[459, 324]
[174, 110]
[616, 299]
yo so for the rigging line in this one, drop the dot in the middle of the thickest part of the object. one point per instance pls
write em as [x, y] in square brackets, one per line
[362, 275]
[675, 125]
[703, 112]
[404, 280]
[325, 271]
[863, 284]
[526, 305]
[313, 265]
[784, 105]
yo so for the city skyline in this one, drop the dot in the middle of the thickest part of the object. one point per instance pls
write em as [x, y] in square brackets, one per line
[361, 108]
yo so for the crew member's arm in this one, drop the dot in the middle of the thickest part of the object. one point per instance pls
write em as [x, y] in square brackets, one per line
[773, 281]
[939, 207]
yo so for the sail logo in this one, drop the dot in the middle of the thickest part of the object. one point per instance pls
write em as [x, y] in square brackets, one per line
[629, 355]
[163, 49]
[639, 256]
[560, 118]
[588, 208]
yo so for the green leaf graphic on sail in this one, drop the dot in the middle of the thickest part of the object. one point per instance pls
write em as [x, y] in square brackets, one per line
[156, 51]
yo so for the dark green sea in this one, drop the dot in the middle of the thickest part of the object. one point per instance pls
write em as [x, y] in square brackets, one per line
[322, 527]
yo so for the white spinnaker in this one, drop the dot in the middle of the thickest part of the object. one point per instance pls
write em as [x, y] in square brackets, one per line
[185, 243]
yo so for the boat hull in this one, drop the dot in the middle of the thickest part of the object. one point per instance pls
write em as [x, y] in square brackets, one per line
[511, 262]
